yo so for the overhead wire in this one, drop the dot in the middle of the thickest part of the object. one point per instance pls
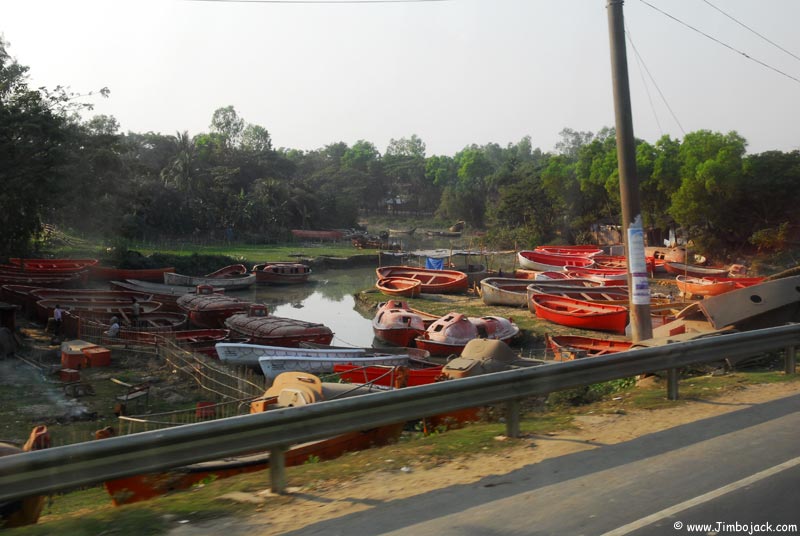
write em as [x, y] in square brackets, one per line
[639, 62]
[776, 45]
[655, 84]
[720, 42]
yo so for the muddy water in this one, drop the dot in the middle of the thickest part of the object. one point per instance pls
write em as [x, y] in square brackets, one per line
[327, 299]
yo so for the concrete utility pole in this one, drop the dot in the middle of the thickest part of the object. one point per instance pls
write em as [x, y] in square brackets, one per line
[633, 230]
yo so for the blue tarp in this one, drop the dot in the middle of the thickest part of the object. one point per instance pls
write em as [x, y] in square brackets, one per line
[434, 264]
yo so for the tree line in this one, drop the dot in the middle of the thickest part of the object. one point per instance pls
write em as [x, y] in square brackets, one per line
[231, 181]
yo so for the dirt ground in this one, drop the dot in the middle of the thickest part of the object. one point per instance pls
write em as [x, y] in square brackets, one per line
[303, 507]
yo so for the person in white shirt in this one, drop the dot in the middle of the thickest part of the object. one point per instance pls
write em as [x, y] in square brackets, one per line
[113, 330]
[57, 320]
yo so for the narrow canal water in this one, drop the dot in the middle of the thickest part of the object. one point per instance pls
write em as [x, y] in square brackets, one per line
[327, 298]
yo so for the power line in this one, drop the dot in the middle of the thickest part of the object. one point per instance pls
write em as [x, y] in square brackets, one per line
[720, 42]
[752, 30]
[639, 62]
[663, 98]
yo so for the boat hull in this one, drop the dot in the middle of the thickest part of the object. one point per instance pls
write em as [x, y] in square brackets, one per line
[432, 281]
[580, 314]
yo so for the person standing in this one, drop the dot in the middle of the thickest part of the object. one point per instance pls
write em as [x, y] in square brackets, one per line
[135, 310]
[57, 320]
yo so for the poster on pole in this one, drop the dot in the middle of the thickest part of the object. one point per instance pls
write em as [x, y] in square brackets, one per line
[637, 266]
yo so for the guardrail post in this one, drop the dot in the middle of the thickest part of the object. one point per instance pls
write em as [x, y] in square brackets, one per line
[277, 469]
[790, 360]
[672, 384]
[512, 417]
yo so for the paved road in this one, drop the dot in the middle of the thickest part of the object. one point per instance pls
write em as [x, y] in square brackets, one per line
[643, 486]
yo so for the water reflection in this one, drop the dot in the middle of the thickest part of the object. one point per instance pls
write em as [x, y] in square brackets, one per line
[327, 299]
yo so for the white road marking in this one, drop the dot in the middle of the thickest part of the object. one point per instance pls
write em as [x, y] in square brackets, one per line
[700, 499]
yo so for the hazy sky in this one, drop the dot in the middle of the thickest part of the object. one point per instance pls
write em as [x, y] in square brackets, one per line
[453, 73]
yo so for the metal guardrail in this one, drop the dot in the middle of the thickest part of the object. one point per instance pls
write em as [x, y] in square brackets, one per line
[70, 466]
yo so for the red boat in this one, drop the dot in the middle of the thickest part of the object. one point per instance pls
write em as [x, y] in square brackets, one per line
[604, 295]
[398, 324]
[580, 314]
[206, 309]
[388, 376]
[399, 286]
[433, 281]
[52, 265]
[569, 347]
[40, 279]
[537, 260]
[281, 273]
[262, 328]
[303, 389]
[449, 334]
[106, 273]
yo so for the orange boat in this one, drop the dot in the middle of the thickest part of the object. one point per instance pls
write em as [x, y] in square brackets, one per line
[569, 347]
[697, 286]
[541, 261]
[433, 281]
[24, 511]
[580, 314]
[288, 389]
[399, 286]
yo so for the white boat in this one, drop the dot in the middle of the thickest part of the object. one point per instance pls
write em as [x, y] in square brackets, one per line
[271, 366]
[228, 283]
[246, 355]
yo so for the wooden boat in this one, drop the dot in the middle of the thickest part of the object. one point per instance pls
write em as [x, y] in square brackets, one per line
[289, 389]
[272, 366]
[580, 251]
[506, 291]
[580, 314]
[569, 347]
[388, 376]
[317, 235]
[166, 294]
[228, 282]
[398, 324]
[601, 295]
[533, 260]
[449, 334]
[763, 305]
[207, 309]
[247, 355]
[604, 274]
[19, 277]
[457, 227]
[692, 270]
[121, 308]
[231, 271]
[202, 341]
[739, 282]
[52, 265]
[281, 273]
[107, 273]
[402, 231]
[262, 328]
[607, 280]
[475, 272]
[399, 286]
[619, 262]
[75, 323]
[696, 286]
[433, 281]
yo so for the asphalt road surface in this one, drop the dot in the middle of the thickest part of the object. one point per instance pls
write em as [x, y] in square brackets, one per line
[735, 473]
